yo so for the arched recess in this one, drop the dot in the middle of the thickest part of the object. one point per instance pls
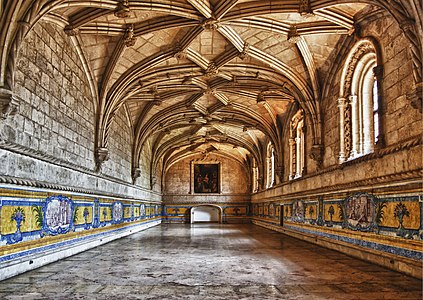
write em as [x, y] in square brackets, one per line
[362, 70]
[206, 213]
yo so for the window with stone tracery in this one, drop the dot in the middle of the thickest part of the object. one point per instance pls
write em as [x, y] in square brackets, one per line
[270, 161]
[296, 145]
[359, 102]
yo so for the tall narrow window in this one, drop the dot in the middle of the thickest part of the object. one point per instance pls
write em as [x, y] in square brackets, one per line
[359, 102]
[296, 145]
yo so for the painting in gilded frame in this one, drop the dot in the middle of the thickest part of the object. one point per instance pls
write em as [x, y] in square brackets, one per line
[206, 178]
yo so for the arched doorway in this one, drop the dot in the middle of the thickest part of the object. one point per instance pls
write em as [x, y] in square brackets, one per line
[206, 214]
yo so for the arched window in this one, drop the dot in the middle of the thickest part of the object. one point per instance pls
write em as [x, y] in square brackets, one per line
[270, 161]
[296, 145]
[359, 102]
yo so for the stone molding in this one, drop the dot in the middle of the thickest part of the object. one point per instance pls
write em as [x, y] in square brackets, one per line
[408, 175]
[362, 185]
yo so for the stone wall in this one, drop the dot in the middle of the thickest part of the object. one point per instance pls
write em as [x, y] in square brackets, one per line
[51, 138]
[56, 113]
[232, 200]
[233, 176]
[120, 141]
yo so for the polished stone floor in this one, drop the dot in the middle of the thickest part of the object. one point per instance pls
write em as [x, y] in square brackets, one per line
[210, 261]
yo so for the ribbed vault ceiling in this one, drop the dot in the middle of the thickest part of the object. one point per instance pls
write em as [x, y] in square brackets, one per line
[202, 76]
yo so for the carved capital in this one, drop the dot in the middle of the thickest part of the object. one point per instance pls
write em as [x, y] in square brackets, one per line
[101, 155]
[342, 102]
[316, 154]
[8, 104]
[136, 173]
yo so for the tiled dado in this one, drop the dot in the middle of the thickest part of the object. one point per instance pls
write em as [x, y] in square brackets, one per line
[37, 223]
[388, 227]
[228, 212]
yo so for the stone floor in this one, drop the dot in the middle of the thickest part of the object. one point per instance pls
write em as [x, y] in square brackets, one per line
[210, 261]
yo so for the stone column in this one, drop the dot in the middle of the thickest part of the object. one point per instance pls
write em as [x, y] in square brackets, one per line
[298, 157]
[342, 103]
[291, 156]
[356, 137]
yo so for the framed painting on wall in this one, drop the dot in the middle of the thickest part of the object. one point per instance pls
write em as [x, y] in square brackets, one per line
[206, 178]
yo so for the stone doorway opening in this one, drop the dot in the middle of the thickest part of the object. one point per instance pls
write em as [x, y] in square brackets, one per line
[206, 214]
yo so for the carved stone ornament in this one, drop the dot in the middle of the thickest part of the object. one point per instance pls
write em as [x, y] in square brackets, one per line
[136, 173]
[101, 155]
[415, 97]
[211, 24]
[211, 70]
[245, 50]
[129, 38]
[305, 8]
[123, 10]
[293, 35]
[316, 154]
[8, 104]
[70, 30]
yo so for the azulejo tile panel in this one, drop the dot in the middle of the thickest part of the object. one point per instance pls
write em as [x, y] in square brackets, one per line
[31, 215]
[392, 223]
